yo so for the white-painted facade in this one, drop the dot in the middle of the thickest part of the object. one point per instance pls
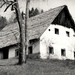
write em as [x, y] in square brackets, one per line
[62, 42]
[9, 53]
[12, 52]
[36, 47]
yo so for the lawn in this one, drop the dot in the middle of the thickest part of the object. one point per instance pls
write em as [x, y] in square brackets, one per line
[37, 67]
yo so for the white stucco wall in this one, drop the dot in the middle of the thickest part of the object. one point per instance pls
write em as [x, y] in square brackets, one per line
[12, 52]
[58, 42]
[36, 47]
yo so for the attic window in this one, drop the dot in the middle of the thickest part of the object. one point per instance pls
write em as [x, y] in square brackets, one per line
[67, 33]
[56, 31]
[49, 29]
[63, 52]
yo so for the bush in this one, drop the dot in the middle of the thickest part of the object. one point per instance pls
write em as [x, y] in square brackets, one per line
[33, 56]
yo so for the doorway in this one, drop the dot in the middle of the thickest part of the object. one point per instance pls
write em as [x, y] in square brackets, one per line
[30, 50]
[5, 52]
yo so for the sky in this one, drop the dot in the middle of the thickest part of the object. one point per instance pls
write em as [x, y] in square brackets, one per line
[42, 4]
[49, 4]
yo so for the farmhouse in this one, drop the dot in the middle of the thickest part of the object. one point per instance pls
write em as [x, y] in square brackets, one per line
[51, 33]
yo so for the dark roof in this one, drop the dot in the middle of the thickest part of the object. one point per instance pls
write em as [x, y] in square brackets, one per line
[36, 26]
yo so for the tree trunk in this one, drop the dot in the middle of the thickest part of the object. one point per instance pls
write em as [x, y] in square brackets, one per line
[22, 34]
[26, 17]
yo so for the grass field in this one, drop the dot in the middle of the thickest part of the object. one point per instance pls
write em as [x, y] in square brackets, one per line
[37, 67]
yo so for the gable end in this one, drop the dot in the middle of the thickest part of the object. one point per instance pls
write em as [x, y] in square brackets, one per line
[64, 18]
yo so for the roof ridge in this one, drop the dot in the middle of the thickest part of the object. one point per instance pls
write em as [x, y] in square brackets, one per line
[48, 11]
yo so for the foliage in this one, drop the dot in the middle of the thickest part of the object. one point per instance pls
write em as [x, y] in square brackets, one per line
[42, 11]
[34, 12]
[33, 56]
[15, 6]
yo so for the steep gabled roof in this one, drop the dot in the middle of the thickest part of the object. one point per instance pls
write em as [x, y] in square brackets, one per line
[36, 26]
[9, 35]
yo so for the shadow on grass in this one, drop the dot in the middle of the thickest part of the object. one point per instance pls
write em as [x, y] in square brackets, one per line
[62, 63]
[9, 62]
[36, 58]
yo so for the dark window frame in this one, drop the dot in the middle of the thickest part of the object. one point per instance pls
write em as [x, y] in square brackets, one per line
[63, 52]
[56, 31]
[51, 50]
[74, 54]
[30, 50]
[68, 33]
[49, 29]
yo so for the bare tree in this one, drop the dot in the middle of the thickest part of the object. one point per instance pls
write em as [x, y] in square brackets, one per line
[26, 17]
[15, 5]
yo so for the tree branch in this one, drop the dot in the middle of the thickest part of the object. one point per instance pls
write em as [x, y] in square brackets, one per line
[13, 3]
[2, 4]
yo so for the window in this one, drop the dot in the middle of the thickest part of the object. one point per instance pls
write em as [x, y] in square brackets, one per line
[51, 50]
[49, 29]
[67, 33]
[63, 53]
[74, 35]
[56, 31]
